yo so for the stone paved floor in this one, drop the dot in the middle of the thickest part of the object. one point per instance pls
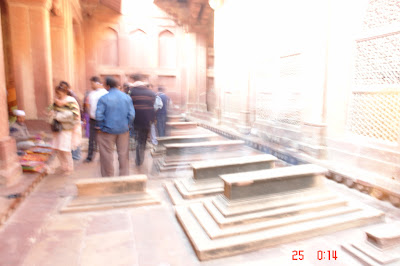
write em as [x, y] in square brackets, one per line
[37, 234]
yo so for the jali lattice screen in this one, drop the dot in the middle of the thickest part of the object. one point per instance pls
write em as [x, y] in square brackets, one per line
[375, 115]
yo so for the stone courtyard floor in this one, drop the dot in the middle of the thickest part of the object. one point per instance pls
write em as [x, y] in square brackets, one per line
[37, 234]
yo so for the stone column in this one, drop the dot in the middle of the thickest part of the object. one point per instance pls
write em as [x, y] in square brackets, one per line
[31, 54]
[61, 42]
[216, 4]
[201, 72]
[10, 169]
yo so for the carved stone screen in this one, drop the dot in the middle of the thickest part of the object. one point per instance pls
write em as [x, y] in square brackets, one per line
[376, 115]
[375, 103]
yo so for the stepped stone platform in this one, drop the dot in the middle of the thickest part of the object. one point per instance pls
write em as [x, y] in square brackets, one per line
[202, 147]
[181, 125]
[268, 207]
[175, 118]
[381, 246]
[160, 149]
[206, 181]
[108, 193]
[185, 132]
[181, 160]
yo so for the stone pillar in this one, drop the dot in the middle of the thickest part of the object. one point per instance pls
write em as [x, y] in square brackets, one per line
[31, 54]
[201, 72]
[10, 169]
[61, 43]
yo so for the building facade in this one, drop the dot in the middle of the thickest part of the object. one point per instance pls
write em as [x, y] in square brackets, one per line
[47, 41]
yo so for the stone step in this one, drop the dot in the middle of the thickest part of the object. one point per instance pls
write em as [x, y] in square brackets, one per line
[202, 147]
[381, 246]
[272, 181]
[186, 138]
[96, 203]
[214, 168]
[361, 256]
[231, 208]
[199, 189]
[175, 118]
[190, 131]
[111, 185]
[207, 248]
[216, 155]
[191, 185]
[181, 125]
[271, 214]
[382, 256]
[214, 231]
[160, 149]
[176, 197]
[385, 236]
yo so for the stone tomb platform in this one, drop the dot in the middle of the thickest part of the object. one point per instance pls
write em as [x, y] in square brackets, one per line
[381, 246]
[160, 149]
[175, 118]
[201, 147]
[181, 125]
[206, 181]
[269, 207]
[179, 156]
[108, 193]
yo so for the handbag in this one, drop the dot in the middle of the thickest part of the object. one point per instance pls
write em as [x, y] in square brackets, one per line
[56, 126]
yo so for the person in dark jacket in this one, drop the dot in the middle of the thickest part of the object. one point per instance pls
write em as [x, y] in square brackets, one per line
[143, 100]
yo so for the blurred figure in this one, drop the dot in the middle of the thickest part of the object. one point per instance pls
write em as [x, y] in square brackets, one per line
[66, 111]
[20, 132]
[143, 100]
[114, 114]
[76, 153]
[157, 106]
[97, 92]
[162, 113]
[85, 113]
[126, 87]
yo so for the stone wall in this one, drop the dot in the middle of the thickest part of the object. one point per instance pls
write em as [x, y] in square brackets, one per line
[145, 39]
[312, 82]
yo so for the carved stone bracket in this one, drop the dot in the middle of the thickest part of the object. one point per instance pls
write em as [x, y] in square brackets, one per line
[56, 8]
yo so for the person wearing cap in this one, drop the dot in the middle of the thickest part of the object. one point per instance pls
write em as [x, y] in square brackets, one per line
[20, 132]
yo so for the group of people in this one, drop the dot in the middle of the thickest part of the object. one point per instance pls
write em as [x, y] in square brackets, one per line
[112, 114]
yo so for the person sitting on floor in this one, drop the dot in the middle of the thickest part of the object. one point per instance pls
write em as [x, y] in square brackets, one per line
[20, 132]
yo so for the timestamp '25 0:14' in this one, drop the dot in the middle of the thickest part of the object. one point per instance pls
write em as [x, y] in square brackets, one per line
[330, 254]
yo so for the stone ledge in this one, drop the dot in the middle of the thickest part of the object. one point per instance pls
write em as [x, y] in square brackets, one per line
[230, 208]
[272, 181]
[111, 185]
[97, 203]
[213, 168]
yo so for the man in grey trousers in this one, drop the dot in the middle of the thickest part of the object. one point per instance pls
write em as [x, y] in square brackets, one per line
[114, 115]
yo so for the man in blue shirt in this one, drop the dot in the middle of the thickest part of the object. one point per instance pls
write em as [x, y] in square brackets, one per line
[114, 115]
